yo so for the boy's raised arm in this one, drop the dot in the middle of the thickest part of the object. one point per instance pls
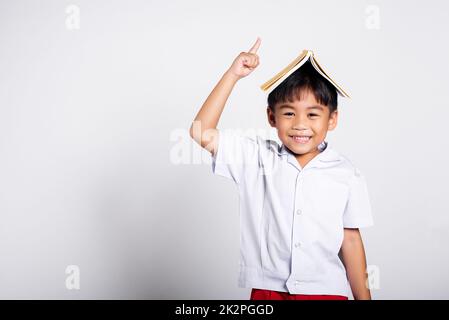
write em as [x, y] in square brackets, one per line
[204, 127]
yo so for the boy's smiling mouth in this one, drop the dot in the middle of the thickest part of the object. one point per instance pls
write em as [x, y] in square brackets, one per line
[301, 138]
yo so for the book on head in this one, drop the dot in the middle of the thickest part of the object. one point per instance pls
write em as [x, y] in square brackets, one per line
[306, 55]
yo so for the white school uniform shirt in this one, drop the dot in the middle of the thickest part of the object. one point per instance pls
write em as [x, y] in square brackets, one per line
[292, 219]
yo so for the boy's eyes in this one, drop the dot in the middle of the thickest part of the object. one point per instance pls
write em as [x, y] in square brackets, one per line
[310, 114]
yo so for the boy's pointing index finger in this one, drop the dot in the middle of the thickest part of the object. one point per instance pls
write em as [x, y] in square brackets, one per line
[255, 46]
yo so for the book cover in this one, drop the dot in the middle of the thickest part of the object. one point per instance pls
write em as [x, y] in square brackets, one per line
[306, 55]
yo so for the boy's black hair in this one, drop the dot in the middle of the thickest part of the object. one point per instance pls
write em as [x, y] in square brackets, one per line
[305, 78]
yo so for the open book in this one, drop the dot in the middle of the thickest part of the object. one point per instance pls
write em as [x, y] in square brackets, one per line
[306, 55]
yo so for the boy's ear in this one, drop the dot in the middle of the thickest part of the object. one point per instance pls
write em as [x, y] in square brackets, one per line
[333, 119]
[271, 117]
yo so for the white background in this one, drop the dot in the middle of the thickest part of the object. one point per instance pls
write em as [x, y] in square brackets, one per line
[88, 169]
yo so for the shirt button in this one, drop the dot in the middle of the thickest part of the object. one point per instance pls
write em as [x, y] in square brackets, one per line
[298, 244]
[298, 211]
[297, 283]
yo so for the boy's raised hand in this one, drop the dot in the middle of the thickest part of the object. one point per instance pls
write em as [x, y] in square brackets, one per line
[246, 62]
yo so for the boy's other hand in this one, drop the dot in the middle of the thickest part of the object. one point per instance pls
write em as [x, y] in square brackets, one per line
[246, 62]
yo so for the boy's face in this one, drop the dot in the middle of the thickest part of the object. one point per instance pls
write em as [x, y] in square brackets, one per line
[304, 118]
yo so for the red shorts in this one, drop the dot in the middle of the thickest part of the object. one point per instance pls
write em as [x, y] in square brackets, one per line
[262, 294]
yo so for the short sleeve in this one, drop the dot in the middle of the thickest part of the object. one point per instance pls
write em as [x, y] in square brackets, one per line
[358, 212]
[235, 153]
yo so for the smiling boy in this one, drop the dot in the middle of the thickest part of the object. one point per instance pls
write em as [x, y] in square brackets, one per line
[302, 124]
[302, 203]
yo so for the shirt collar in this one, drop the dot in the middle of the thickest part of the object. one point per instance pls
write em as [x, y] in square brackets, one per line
[327, 157]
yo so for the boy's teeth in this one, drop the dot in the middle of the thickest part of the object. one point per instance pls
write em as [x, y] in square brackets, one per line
[301, 138]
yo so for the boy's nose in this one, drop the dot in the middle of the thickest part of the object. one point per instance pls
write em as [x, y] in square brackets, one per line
[300, 127]
[301, 130]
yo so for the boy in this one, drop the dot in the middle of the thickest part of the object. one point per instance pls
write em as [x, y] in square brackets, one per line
[301, 203]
